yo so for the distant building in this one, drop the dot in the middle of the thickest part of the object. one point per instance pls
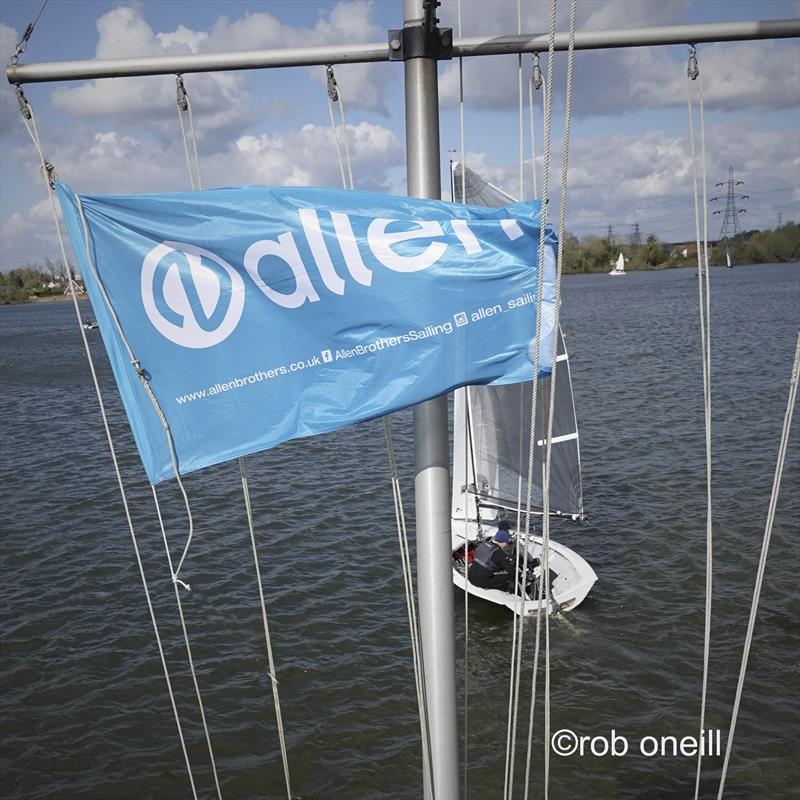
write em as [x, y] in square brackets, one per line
[687, 250]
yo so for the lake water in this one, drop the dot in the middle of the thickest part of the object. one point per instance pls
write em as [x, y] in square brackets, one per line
[85, 712]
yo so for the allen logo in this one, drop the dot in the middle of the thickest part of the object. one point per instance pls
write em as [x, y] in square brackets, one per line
[193, 297]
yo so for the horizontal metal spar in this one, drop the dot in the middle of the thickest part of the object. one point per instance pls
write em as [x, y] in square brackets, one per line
[90, 69]
[379, 51]
[630, 37]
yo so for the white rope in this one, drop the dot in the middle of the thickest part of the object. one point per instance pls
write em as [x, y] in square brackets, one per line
[519, 621]
[31, 127]
[346, 140]
[271, 673]
[335, 132]
[762, 561]
[194, 169]
[186, 148]
[340, 129]
[532, 113]
[142, 375]
[466, 604]
[534, 390]
[461, 129]
[462, 144]
[521, 104]
[184, 104]
[562, 214]
[529, 751]
[513, 689]
[188, 647]
[704, 295]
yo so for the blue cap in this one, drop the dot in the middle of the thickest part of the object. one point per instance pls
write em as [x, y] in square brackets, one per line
[501, 537]
[504, 525]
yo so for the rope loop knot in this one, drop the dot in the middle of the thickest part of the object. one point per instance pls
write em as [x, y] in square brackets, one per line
[24, 106]
[177, 581]
[536, 75]
[183, 98]
[692, 69]
[333, 86]
[50, 173]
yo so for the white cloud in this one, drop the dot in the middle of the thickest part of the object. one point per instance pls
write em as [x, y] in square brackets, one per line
[735, 75]
[621, 179]
[220, 96]
[29, 237]
[347, 22]
[591, 15]
[307, 157]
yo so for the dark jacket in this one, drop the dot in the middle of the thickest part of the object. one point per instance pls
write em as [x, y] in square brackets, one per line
[494, 561]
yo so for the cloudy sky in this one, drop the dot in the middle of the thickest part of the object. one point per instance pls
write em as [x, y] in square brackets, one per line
[629, 158]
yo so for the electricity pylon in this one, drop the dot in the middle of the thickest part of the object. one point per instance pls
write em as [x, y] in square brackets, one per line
[636, 237]
[731, 228]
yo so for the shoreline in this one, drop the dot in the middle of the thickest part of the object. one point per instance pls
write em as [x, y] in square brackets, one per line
[52, 298]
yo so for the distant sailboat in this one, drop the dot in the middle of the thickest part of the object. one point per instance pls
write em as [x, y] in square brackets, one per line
[619, 267]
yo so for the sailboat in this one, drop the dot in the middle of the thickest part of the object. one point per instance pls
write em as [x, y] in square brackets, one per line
[619, 267]
[491, 434]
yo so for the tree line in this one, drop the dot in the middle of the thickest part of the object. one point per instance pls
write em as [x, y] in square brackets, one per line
[589, 254]
[598, 254]
[31, 281]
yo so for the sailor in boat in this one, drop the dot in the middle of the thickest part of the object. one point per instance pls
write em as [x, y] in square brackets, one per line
[491, 568]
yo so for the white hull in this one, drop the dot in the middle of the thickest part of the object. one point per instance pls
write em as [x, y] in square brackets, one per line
[573, 577]
[617, 272]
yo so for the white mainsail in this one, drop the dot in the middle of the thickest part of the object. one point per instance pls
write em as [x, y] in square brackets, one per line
[492, 424]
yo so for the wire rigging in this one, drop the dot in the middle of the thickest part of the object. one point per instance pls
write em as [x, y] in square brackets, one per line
[271, 674]
[192, 670]
[334, 93]
[554, 362]
[534, 84]
[704, 303]
[520, 132]
[29, 120]
[340, 134]
[467, 451]
[516, 657]
[22, 44]
[762, 561]
[184, 105]
[195, 179]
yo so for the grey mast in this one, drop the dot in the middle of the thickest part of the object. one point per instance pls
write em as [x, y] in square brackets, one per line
[431, 449]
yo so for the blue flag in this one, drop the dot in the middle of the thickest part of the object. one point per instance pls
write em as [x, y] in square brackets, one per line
[254, 315]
